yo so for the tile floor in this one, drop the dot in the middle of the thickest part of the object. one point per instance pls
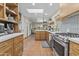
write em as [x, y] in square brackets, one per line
[34, 48]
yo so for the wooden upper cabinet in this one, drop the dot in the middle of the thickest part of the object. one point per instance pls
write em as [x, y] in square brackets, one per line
[12, 4]
[67, 9]
[12, 8]
[2, 12]
[8, 10]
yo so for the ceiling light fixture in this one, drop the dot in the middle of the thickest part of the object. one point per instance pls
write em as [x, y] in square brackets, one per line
[39, 19]
[35, 10]
[46, 14]
[35, 14]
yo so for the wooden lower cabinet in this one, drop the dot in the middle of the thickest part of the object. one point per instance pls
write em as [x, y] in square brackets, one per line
[12, 47]
[37, 36]
[41, 35]
[18, 46]
[18, 49]
[8, 51]
[74, 49]
[47, 36]
[6, 48]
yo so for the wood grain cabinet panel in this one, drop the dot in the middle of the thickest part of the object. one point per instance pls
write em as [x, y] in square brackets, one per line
[74, 49]
[47, 36]
[37, 36]
[18, 39]
[12, 47]
[41, 35]
[18, 49]
[6, 47]
[18, 46]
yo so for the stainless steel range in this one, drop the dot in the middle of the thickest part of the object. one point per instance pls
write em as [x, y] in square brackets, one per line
[60, 45]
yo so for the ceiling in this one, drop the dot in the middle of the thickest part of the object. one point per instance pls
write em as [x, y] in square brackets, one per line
[49, 10]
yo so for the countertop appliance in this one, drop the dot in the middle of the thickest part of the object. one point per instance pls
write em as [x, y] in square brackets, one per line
[60, 45]
[2, 29]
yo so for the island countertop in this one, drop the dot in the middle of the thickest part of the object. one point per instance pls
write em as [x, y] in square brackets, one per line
[46, 31]
[9, 36]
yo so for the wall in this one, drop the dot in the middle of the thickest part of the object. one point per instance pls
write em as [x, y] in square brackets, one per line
[24, 26]
[70, 24]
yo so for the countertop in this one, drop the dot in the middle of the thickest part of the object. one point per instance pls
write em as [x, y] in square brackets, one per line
[9, 36]
[47, 31]
[75, 40]
[41, 30]
[52, 32]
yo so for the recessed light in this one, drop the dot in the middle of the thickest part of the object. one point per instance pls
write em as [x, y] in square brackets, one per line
[35, 14]
[39, 19]
[35, 10]
[33, 4]
[50, 4]
[46, 14]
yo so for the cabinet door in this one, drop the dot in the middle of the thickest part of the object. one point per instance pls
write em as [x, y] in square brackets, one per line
[18, 39]
[8, 51]
[74, 49]
[42, 35]
[18, 49]
[18, 46]
[6, 47]
[47, 36]
[37, 36]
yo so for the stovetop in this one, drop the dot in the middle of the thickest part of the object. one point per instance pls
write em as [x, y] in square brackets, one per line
[60, 38]
[71, 35]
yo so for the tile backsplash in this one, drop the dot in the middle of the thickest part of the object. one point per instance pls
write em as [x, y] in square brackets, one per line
[70, 24]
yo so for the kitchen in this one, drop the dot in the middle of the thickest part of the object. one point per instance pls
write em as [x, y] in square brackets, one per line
[39, 29]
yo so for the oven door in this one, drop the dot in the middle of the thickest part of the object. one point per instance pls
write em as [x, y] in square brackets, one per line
[60, 48]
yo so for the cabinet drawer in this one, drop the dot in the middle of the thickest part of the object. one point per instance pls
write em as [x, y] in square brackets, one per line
[6, 47]
[18, 49]
[74, 49]
[18, 39]
[6, 51]
[6, 43]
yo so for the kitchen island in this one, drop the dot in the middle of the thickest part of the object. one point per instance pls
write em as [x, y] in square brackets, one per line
[11, 44]
[41, 35]
[44, 35]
